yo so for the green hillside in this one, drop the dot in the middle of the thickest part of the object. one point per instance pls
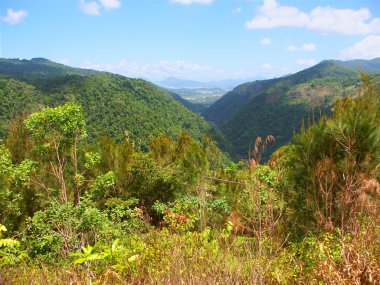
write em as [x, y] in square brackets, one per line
[112, 104]
[38, 68]
[365, 65]
[278, 106]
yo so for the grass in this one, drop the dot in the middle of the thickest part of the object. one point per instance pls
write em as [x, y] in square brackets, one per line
[170, 258]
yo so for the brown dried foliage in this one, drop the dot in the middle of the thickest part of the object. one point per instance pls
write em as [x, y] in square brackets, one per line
[256, 151]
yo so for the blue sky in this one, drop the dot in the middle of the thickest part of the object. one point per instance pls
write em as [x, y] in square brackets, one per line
[192, 39]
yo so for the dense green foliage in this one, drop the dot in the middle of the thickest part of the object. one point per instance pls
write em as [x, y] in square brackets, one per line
[112, 104]
[333, 165]
[364, 65]
[38, 68]
[109, 213]
[278, 106]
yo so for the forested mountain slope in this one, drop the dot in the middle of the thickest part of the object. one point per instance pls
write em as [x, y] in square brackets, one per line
[365, 65]
[278, 106]
[38, 68]
[112, 104]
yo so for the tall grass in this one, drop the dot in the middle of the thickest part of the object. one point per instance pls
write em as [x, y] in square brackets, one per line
[196, 258]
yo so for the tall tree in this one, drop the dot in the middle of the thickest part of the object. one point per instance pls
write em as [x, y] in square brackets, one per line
[59, 130]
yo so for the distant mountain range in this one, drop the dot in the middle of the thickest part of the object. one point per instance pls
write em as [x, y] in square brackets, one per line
[177, 83]
[278, 106]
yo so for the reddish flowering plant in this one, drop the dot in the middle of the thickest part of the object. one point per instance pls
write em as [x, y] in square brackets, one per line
[176, 216]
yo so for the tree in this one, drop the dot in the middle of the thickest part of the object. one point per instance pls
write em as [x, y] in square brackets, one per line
[333, 165]
[59, 129]
[14, 179]
[18, 140]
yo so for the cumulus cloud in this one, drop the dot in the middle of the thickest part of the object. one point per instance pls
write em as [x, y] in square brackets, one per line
[285, 69]
[110, 4]
[188, 2]
[266, 66]
[367, 48]
[90, 8]
[328, 20]
[306, 62]
[272, 15]
[159, 70]
[64, 61]
[266, 41]
[184, 69]
[14, 17]
[305, 47]
[94, 7]
[324, 20]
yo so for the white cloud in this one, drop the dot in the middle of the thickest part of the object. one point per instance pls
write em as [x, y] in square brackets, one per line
[188, 2]
[64, 61]
[90, 8]
[110, 4]
[324, 20]
[158, 71]
[291, 48]
[306, 62]
[181, 67]
[184, 69]
[272, 15]
[285, 69]
[309, 47]
[266, 41]
[266, 66]
[328, 20]
[14, 17]
[367, 48]
[305, 47]
[94, 7]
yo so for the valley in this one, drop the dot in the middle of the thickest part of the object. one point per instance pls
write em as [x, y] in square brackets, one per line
[114, 180]
[199, 142]
[204, 97]
[235, 116]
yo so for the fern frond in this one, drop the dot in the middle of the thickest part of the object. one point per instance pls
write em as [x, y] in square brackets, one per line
[8, 242]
